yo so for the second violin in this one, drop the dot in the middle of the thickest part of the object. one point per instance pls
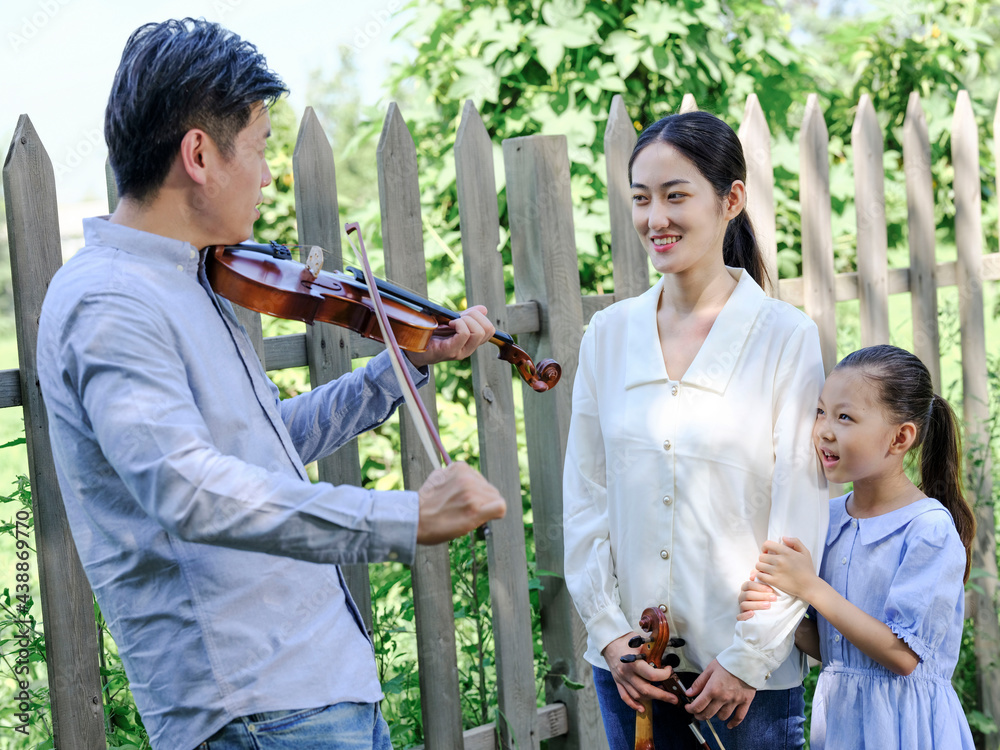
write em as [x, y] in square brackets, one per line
[266, 279]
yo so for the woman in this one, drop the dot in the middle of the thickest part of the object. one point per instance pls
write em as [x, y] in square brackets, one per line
[689, 447]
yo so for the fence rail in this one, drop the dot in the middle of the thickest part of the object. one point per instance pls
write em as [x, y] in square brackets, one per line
[548, 318]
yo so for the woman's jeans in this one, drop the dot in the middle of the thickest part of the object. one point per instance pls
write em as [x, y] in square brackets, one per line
[775, 721]
[344, 726]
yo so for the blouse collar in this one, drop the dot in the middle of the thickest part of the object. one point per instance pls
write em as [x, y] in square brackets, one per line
[871, 530]
[715, 362]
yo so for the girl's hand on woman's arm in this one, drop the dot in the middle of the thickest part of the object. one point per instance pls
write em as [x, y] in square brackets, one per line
[754, 596]
[787, 565]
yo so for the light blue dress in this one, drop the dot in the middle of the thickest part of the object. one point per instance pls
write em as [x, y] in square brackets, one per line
[904, 568]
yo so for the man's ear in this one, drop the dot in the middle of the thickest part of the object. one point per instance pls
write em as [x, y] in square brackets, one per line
[903, 439]
[195, 154]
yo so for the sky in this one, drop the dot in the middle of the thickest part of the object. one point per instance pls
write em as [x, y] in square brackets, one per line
[58, 59]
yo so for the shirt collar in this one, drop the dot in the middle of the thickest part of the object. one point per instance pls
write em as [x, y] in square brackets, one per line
[715, 362]
[871, 530]
[99, 230]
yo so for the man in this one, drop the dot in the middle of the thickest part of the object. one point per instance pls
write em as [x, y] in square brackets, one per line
[212, 555]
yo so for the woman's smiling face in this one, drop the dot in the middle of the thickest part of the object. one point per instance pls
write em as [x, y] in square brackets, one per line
[679, 218]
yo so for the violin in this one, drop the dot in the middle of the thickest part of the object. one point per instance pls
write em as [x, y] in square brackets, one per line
[266, 279]
[652, 645]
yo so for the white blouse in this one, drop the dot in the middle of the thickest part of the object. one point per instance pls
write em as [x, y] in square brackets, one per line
[672, 486]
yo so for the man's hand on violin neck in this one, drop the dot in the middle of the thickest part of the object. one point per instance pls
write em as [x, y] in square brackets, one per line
[454, 501]
[472, 330]
[635, 680]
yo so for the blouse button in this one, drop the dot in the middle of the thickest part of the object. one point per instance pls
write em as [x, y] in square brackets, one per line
[180, 267]
[674, 391]
[843, 561]
[854, 522]
[664, 554]
[836, 638]
[666, 445]
[667, 499]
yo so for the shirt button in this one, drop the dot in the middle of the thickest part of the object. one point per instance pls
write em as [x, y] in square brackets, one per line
[664, 554]
[836, 638]
[666, 445]
[767, 676]
[193, 254]
[667, 499]
[393, 555]
[180, 267]
[854, 522]
[843, 561]
[674, 391]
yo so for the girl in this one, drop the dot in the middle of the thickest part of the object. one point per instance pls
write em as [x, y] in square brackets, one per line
[890, 592]
[689, 444]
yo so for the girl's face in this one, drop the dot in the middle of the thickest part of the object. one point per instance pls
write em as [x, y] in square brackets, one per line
[677, 213]
[851, 434]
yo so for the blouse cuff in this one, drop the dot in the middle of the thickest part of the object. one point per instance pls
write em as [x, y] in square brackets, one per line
[743, 661]
[607, 625]
[918, 646]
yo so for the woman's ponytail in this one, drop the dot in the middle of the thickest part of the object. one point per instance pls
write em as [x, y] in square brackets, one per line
[740, 249]
[941, 471]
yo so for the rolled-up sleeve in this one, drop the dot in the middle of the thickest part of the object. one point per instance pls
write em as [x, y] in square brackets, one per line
[799, 505]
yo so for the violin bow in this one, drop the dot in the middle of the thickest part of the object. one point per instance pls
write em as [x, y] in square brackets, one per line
[428, 433]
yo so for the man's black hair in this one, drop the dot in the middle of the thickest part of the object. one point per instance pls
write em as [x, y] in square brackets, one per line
[175, 76]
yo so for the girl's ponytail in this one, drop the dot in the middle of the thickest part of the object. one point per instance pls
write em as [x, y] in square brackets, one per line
[941, 471]
[740, 249]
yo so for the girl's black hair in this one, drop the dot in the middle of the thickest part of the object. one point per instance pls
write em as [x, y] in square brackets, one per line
[175, 76]
[713, 147]
[904, 388]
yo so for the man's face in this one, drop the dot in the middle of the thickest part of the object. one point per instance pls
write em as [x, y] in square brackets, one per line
[234, 185]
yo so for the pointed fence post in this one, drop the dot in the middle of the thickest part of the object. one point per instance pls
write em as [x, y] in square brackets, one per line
[817, 229]
[975, 403]
[688, 104]
[629, 262]
[67, 602]
[756, 139]
[403, 239]
[540, 208]
[920, 225]
[480, 226]
[328, 347]
[869, 203]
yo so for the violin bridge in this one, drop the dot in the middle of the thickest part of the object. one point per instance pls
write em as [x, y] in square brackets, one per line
[313, 259]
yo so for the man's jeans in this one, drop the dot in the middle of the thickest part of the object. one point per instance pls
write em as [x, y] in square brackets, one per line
[775, 721]
[345, 726]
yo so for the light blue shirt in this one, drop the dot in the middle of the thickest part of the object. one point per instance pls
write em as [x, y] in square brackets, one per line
[904, 568]
[213, 557]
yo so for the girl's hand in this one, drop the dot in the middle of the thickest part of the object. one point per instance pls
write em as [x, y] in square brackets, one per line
[787, 566]
[635, 680]
[753, 596]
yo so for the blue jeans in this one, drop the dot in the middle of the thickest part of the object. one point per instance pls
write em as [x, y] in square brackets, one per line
[775, 721]
[344, 726]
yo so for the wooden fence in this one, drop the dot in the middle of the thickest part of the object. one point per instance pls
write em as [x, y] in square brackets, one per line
[548, 317]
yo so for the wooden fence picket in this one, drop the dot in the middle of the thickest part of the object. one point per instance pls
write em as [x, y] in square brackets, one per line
[873, 244]
[817, 232]
[491, 379]
[67, 605]
[920, 225]
[403, 244]
[756, 139]
[975, 395]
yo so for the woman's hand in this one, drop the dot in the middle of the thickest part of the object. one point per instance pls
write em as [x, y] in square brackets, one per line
[787, 565]
[754, 596]
[635, 680]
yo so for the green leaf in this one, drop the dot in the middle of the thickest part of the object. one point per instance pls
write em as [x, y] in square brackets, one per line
[624, 48]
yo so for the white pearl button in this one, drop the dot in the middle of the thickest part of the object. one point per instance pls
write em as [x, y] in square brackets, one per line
[674, 390]
[667, 499]
[664, 554]
[666, 445]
